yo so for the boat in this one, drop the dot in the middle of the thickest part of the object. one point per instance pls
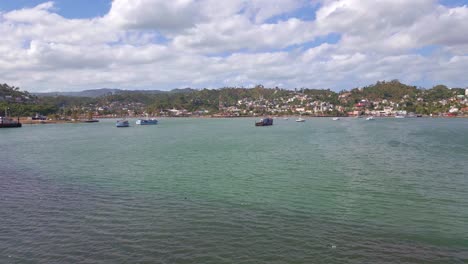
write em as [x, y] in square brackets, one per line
[286, 118]
[264, 122]
[151, 121]
[6, 122]
[336, 119]
[300, 119]
[90, 121]
[370, 118]
[399, 116]
[122, 123]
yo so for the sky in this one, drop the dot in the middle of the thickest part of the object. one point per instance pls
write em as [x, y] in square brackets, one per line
[69, 45]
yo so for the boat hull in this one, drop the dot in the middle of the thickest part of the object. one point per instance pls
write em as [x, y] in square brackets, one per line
[122, 124]
[11, 125]
[143, 122]
[6, 122]
[265, 122]
[262, 124]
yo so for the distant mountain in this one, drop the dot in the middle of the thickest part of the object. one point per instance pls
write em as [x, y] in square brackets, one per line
[85, 93]
[184, 90]
[93, 93]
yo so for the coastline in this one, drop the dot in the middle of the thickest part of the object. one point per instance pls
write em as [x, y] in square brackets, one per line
[27, 121]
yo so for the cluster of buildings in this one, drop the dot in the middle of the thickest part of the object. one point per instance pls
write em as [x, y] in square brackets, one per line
[295, 103]
[11, 99]
[299, 103]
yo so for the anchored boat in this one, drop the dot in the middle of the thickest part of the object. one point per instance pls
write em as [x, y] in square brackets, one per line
[6, 122]
[264, 122]
[151, 121]
[122, 123]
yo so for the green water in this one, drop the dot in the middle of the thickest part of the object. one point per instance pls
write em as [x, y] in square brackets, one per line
[225, 191]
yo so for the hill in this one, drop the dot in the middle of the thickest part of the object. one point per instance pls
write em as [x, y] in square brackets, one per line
[94, 93]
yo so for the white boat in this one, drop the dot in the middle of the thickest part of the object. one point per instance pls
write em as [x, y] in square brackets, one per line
[122, 123]
[336, 119]
[300, 119]
[399, 116]
[370, 118]
[286, 118]
[151, 121]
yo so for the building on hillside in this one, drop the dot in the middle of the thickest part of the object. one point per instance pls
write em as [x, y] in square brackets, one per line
[453, 110]
[299, 109]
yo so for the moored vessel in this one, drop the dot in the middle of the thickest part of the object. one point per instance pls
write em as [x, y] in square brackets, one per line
[6, 122]
[90, 121]
[264, 122]
[151, 121]
[122, 123]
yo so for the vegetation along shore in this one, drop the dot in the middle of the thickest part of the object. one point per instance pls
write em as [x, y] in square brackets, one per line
[384, 98]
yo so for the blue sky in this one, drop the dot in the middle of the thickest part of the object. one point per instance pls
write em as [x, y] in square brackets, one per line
[159, 44]
[93, 8]
[66, 8]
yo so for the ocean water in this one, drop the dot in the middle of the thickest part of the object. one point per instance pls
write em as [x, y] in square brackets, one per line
[225, 191]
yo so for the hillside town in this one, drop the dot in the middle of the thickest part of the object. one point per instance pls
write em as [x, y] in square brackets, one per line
[384, 99]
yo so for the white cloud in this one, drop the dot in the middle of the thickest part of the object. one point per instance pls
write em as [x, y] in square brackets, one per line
[238, 32]
[153, 14]
[209, 43]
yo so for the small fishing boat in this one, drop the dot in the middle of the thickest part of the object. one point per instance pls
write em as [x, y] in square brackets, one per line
[6, 122]
[336, 119]
[151, 121]
[122, 123]
[370, 118]
[300, 119]
[264, 122]
[90, 121]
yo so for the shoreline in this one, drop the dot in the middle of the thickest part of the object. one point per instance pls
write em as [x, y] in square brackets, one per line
[26, 121]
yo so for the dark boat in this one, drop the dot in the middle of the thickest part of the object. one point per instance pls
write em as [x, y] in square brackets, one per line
[265, 122]
[90, 121]
[8, 122]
